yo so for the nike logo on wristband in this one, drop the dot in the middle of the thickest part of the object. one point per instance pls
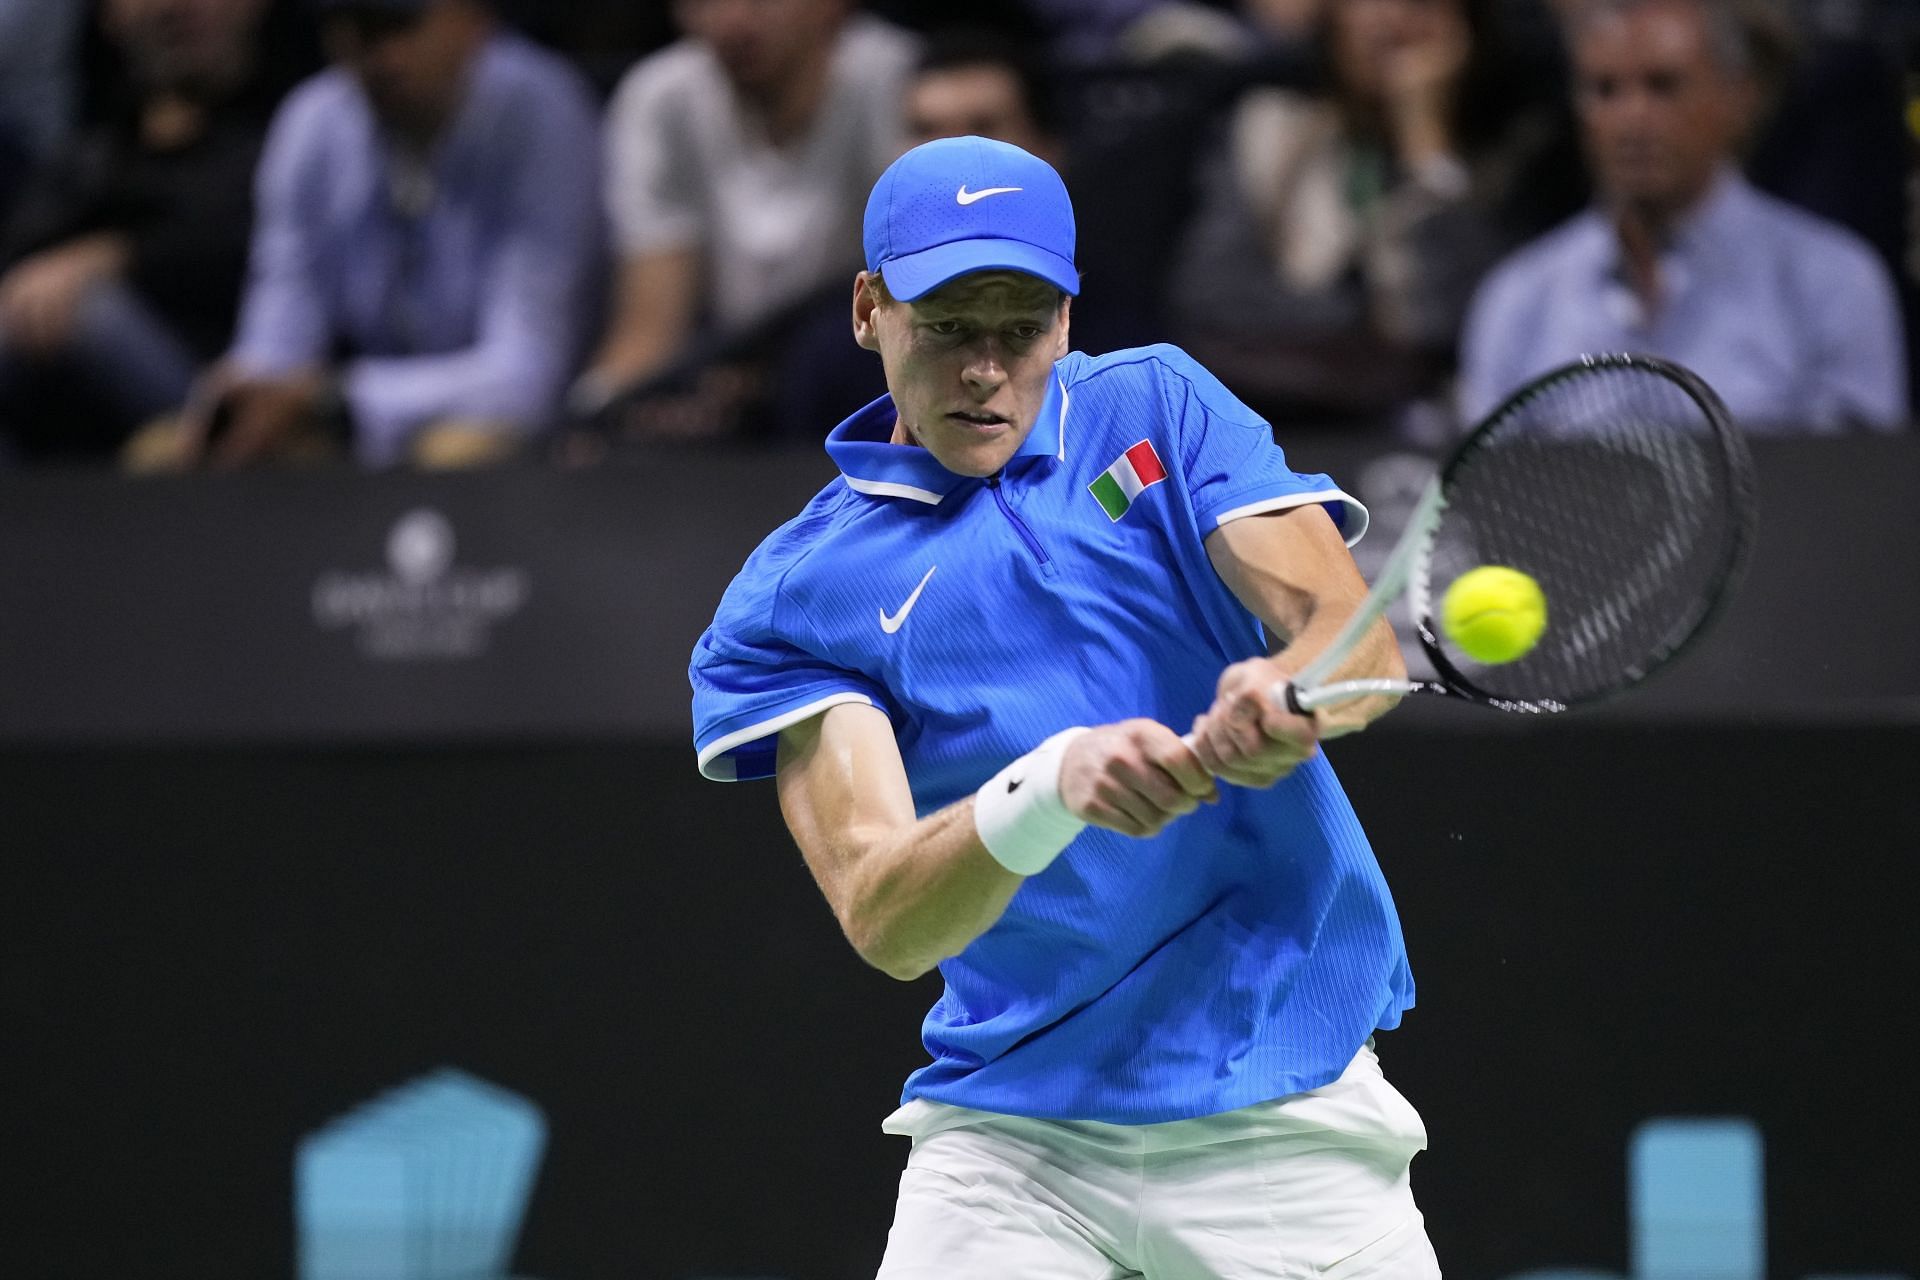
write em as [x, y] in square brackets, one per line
[1013, 784]
[891, 625]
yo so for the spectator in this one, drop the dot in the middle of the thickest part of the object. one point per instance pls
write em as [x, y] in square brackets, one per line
[38, 59]
[1791, 318]
[980, 83]
[974, 81]
[1338, 237]
[1110, 32]
[966, 81]
[739, 160]
[121, 267]
[425, 255]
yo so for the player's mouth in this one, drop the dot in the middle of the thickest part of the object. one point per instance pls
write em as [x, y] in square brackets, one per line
[977, 419]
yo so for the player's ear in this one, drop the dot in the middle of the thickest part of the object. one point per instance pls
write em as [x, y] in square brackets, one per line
[866, 300]
[1060, 344]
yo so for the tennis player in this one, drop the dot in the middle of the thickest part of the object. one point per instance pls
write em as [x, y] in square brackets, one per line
[1153, 1056]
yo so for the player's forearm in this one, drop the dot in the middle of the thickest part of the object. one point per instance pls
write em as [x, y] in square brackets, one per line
[1292, 571]
[1377, 656]
[922, 894]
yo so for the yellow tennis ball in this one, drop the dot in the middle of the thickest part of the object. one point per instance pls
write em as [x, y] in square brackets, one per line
[1493, 613]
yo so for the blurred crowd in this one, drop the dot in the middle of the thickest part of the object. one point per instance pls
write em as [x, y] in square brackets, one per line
[446, 232]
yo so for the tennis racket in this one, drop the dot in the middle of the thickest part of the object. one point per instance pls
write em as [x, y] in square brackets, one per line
[1621, 485]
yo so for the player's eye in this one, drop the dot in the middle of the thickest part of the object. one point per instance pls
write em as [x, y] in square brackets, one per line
[944, 328]
[1027, 332]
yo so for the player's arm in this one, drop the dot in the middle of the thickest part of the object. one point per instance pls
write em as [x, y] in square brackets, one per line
[910, 891]
[1291, 570]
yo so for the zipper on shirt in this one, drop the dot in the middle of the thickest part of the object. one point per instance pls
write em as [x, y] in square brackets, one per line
[1019, 525]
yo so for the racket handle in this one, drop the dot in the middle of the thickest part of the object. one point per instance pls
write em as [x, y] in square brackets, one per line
[1281, 693]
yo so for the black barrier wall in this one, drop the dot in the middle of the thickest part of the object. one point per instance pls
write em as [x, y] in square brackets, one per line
[208, 952]
[517, 603]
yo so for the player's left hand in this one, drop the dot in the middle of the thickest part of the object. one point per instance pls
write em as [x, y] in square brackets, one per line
[1246, 737]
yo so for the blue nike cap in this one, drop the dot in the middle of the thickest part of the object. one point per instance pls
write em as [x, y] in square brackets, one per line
[955, 206]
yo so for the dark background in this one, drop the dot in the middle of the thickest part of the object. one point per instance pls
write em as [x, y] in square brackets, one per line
[218, 936]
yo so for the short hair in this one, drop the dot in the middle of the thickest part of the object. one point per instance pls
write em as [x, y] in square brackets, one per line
[958, 48]
[1752, 39]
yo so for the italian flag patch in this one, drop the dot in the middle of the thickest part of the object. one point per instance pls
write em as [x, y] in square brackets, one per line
[1137, 469]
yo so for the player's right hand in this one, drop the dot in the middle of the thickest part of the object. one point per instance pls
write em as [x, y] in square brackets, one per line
[1133, 777]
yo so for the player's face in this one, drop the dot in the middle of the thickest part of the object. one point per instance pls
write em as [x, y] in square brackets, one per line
[1659, 114]
[968, 364]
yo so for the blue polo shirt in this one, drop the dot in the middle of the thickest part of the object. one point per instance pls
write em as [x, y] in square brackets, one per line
[1244, 953]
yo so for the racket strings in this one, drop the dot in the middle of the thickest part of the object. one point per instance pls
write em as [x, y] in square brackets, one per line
[1614, 486]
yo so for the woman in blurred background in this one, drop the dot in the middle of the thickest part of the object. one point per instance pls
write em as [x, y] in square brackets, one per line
[1339, 234]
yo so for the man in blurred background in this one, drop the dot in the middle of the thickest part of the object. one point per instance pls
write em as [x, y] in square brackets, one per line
[1791, 318]
[425, 257]
[966, 81]
[122, 266]
[738, 162]
[981, 83]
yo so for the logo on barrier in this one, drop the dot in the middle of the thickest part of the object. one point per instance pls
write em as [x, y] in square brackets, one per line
[1696, 1202]
[430, 1180]
[424, 605]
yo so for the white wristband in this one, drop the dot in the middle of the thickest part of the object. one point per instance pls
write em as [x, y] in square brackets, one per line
[1019, 814]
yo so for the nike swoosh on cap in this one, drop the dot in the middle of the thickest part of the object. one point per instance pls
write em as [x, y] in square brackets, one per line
[965, 196]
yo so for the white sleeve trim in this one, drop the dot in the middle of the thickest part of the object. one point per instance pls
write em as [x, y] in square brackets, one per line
[721, 770]
[1357, 515]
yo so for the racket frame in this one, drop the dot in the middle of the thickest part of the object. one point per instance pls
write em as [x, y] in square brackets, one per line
[1408, 566]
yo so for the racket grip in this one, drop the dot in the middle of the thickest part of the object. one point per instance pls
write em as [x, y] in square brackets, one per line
[1281, 693]
[1284, 695]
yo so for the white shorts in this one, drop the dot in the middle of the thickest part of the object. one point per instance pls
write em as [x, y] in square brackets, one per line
[1308, 1186]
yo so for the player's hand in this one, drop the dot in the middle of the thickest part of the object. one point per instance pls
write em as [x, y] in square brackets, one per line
[1133, 777]
[1246, 736]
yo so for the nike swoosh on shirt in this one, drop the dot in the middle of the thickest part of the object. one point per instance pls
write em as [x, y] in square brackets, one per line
[891, 625]
[965, 196]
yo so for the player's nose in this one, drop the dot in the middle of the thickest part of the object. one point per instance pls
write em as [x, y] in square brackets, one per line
[985, 369]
